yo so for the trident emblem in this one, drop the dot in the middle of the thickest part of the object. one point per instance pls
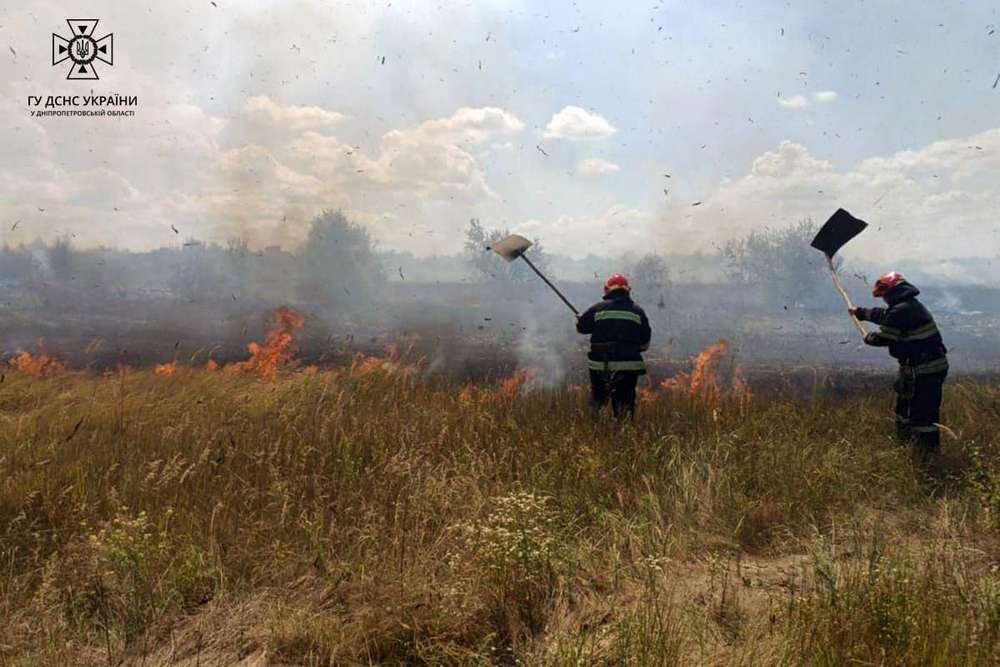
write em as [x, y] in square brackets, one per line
[82, 50]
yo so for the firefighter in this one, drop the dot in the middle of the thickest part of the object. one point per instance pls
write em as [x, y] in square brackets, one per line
[909, 331]
[619, 333]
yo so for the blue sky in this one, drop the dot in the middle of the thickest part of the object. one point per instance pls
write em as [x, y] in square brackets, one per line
[256, 115]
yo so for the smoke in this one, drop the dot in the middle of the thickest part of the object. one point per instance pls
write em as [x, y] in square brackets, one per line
[545, 342]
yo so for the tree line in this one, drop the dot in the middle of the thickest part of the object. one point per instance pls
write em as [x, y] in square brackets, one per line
[340, 264]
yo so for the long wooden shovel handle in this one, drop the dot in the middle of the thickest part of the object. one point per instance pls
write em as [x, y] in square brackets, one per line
[547, 282]
[847, 299]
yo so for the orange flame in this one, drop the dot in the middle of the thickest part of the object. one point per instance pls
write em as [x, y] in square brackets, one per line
[508, 388]
[277, 349]
[36, 365]
[165, 369]
[390, 363]
[646, 395]
[705, 382]
[739, 386]
[366, 365]
[468, 394]
[210, 365]
[511, 386]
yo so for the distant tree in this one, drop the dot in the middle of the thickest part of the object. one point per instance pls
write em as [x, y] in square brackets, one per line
[197, 275]
[238, 265]
[650, 277]
[338, 265]
[782, 262]
[61, 259]
[490, 267]
[18, 264]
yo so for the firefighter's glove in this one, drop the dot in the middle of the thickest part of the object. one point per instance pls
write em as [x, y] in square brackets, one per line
[870, 338]
[859, 313]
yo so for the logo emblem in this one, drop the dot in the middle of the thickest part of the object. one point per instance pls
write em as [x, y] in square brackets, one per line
[82, 49]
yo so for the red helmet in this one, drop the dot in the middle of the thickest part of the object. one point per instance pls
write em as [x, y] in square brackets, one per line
[886, 282]
[616, 281]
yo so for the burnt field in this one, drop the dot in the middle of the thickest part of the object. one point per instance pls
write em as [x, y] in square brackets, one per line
[470, 332]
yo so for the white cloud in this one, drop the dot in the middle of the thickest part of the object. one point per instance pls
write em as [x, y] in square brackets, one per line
[260, 174]
[794, 102]
[417, 171]
[616, 230]
[469, 126]
[595, 166]
[296, 118]
[926, 204]
[578, 124]
[802, 101]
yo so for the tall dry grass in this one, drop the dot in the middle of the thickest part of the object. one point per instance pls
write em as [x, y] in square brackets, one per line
[365, 515]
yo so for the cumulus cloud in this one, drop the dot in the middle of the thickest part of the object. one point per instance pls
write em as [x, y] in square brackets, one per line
[242, 176]
[296, 118]
[802, 101]
[596, 166]
[467, 126]
[576, 124]
[925, 204]
[794, 102]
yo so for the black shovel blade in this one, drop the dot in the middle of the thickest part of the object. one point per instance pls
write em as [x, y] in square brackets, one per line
[838, 230]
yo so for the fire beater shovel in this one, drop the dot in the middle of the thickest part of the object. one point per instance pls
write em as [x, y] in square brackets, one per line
[513, 247]
[831, 237]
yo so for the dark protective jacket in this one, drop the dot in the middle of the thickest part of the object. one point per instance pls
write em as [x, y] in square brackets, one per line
[907, 328]
[619, 333]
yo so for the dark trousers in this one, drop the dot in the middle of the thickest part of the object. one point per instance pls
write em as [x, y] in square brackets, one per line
[918, 409]
[618, 387]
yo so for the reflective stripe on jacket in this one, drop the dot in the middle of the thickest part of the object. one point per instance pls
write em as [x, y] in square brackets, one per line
[619, 333]
[908, 329]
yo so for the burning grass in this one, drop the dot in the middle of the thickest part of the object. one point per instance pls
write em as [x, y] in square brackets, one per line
[361, 515]
[278, 348]
[715, 377]
[35, 365]
[165, 369]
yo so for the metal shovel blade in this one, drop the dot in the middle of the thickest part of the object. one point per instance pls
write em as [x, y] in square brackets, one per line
[838, 230]
[511, 247]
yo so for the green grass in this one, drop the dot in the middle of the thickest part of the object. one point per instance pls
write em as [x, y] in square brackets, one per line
[349, 517]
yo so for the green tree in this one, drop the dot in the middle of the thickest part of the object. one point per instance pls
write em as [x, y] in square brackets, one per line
[339, 265]
[62, 260]
[196, 275]
[490, 267]
[650, 277]
[782, 262]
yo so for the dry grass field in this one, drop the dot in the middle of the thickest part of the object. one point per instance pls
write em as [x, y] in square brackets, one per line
[369, 514]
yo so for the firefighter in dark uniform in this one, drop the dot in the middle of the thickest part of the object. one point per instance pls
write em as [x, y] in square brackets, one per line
[907, 328]
[619, 333]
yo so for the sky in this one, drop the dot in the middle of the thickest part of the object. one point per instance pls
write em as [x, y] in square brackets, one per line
[599, 128]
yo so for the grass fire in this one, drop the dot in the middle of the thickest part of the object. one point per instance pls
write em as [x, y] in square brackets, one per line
[233, 508]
